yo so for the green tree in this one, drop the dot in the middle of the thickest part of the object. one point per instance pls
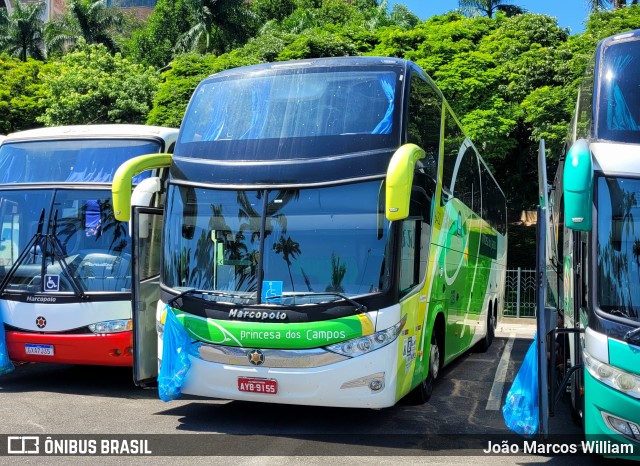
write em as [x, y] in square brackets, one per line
[403, 17]
[154, 45]
[278, 10]
[217, 26]
[21, 33]
[92, 86]
[89, 20]
[486, 7]
[601, 5]
[20, 90]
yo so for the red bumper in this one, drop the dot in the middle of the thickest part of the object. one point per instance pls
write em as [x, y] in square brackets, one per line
[114, 349]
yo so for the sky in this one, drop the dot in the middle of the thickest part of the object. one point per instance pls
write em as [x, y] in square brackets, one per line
[570, 13]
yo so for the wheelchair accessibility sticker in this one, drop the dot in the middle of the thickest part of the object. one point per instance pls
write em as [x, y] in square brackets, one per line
[52, 282]
[272, 291]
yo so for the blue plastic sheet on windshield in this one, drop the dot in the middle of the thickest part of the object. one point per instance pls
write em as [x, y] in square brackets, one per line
[619, 115]
[92, 218]
[259, 109]
[218, 118]
[6, 365]
[175, 358]
[388, 84]
[520, 410]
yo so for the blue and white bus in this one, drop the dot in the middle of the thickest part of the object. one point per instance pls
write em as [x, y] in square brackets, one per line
[65, 261]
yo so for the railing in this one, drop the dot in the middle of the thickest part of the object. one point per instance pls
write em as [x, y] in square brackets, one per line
[520, 293]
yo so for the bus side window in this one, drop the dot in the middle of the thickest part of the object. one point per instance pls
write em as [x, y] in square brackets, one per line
[414, 243]
[424, 118]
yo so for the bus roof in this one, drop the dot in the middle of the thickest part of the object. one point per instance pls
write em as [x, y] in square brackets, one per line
[92, 131]
[316, 63]
[623, 36]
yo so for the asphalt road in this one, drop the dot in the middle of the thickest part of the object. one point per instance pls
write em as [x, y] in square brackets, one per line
[74, 404]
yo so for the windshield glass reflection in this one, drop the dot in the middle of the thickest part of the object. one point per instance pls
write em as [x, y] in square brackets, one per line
[72, 232]
[619, 246]
[315, 241]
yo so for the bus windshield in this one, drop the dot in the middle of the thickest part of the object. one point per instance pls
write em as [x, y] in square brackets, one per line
[72, 232]
[330, 239]
[287, 113]
[619, 246]
[69, 160]
[618, 112]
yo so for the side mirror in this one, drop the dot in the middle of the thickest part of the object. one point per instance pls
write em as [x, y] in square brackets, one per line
[399, 181]
[578, 187]
[121, 186]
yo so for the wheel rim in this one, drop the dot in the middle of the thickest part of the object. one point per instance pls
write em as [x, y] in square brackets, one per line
[434, 360]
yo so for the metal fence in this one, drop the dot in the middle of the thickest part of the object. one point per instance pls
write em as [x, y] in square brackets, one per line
[520, 293]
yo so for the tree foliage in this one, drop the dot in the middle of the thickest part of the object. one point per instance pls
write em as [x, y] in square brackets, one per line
[21, 33]
[93, 86]
[485, 7]
[511, 78]
[92, 21]
[20, 91]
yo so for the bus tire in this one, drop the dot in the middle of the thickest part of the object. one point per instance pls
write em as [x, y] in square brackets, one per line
[485, 343]
[422, 393]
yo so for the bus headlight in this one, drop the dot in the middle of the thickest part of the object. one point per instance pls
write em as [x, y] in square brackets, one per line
[111, 326]
[620, 380]
[366, 344]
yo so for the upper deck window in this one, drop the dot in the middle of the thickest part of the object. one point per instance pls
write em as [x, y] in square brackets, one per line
[619, 93]
[288, 112]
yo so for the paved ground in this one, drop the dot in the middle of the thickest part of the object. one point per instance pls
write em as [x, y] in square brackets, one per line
[75, 402]
[523, 328]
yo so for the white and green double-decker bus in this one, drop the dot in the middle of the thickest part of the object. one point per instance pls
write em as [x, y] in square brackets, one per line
[594, 249]
[330, 236]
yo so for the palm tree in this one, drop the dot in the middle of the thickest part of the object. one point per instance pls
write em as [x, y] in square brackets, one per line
[338, 272]
[487, 7]
[89, 20]
[289, 250]
[21, 33]
[600, 5]
[217, 25]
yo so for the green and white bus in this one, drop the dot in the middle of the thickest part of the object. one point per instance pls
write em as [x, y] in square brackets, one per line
[330, 236]
[593, 250]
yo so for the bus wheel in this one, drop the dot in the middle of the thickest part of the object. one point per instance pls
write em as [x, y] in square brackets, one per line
[485, 343]
[422, 393]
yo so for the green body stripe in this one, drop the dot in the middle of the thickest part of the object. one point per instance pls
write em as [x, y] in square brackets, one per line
[271, 335]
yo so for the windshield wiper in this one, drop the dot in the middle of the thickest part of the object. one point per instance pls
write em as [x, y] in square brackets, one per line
[632, 334]
[359, 307]
[188, 291]
[50, 246]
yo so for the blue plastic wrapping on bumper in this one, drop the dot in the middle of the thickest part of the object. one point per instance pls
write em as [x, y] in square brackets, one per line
[6, 365]
[520, 410]
[175, 358]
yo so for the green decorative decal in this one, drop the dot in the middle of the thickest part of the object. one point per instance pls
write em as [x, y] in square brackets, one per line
[275, 335]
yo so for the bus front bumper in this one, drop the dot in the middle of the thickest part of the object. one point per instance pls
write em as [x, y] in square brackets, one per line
[342, 384]
[114, 349]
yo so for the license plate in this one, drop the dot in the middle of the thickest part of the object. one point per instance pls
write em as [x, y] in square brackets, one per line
[257, 385]
[42, 350]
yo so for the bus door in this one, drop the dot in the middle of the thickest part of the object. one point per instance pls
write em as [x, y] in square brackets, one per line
[146, 229]
[544, 314]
